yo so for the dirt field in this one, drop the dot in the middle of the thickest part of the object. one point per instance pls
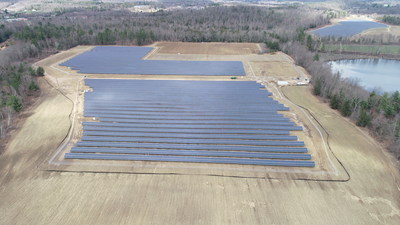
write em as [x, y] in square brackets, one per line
[29, 194]
[207, 48]
[277, 70]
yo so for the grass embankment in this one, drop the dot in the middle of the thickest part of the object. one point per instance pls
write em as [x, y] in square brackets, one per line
[365, 49]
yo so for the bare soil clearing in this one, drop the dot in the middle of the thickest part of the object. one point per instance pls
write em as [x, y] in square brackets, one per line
[31, 195]
[207, 48]
[277, 70]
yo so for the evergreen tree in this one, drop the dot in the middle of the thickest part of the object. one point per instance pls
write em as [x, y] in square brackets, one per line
[14, 103]
[273, 45]
[386, 105]
[33, 86]
[141, 36]
[317, 87]
[363, 119]
[309, 43]
[345, 108]
[335, 101]
[301, 35]
[316, 57]
[40, 71]
[31, 71]
[395, 99]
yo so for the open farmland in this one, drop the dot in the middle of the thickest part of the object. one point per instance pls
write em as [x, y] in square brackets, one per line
[33, 192]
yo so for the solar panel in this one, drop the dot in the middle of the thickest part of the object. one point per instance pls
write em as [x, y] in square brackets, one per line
[191, 146]
[184, 131]
[192, 118]
[229, 122]
[188, 135]
[192, 141]
[221, 114]
[155, 146]
[197, 126]
[183, 111]
[128, 60]
[192, 159]
[197, 153]
[187, 121]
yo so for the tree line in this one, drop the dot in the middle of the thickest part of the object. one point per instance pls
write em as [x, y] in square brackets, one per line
[380, 113]
[395, 20]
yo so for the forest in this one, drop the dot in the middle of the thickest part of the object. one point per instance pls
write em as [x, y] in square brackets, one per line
[281, 29]
[370, 7]
[395, 20]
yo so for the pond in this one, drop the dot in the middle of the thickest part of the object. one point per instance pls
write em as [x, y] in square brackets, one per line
[347, 28]
[371, 73]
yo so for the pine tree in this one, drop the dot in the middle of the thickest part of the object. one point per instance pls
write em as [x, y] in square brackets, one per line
[317, 87]
[335, 102]
[40, 71]
[33, 86]
[363, 119]
[345, 108]
[14, 103]
[316, 57]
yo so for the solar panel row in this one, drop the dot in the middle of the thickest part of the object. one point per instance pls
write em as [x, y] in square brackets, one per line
[196, 141]
[187, 121]
[229, 122]
[192, 159]
[203, 113]
[191, 146]
[184, 131]
[216, 111]
[196, 153]
[152, 146]
[188, 135]
[191, 118]
[194, 126]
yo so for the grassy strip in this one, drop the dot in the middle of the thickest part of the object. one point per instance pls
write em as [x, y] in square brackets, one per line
[370, 49]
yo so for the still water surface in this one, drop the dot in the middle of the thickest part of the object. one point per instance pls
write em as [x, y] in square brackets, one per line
[371, 73]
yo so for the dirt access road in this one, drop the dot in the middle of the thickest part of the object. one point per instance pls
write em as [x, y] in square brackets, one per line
[30, 195]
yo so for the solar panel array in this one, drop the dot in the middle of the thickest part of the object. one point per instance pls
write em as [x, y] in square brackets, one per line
[128, 60]
[226, 122]
[347, 28]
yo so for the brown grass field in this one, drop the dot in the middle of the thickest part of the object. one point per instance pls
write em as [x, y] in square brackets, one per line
[389, 34]
[366, 189]
[207, 48]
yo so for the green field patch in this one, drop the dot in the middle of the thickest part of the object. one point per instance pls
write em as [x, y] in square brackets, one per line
[370, 49]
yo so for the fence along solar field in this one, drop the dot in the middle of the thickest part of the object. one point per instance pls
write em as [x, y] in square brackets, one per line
[128, 60]
[223, 122]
